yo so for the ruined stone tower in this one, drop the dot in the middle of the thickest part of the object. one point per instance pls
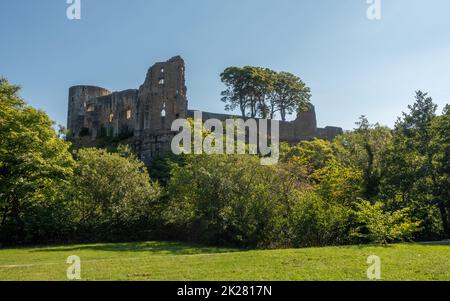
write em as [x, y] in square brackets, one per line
[79, 96]
[162, 99]
[143, 118]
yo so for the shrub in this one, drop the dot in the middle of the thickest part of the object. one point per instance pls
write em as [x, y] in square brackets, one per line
[314, 222]
[228, 200]
[234, 200]
[339, 183]
[380, 226]
[110, 192]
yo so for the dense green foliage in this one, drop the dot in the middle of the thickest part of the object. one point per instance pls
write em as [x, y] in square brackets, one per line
[373, 184]
[382, 226]
[34, 165]
[248, 200]
[111, 194]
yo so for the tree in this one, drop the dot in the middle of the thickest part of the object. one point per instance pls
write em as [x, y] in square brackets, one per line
[339, 183]
[315, 222]
[258, 86]
[264, 85]
[34, 162]
[364, 148]
[309, 156]
[289, 94]
[263, 92]
[111, 188]
[415, 165]
[235, 96]
[229, 199]
[440, 160]
[380, 226]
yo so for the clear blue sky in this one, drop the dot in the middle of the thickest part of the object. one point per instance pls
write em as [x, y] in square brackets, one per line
[354, 66]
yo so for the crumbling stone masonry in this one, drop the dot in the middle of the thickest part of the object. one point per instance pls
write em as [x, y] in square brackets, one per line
[144, 117]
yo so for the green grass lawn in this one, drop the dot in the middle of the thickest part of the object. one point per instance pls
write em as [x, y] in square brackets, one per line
[176, 261]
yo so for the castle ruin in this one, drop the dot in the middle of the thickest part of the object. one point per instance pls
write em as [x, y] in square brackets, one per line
[144, 117]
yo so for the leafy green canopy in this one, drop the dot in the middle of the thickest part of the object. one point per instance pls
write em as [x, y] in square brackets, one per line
[111, 188]
[224, 199]
[261, 92]
[34, 161]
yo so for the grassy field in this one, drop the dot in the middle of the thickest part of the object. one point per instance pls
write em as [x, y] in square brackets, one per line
[176, 261]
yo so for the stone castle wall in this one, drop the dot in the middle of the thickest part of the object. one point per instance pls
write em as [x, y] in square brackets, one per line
[112, 115]
[78, 99]
[146, 115]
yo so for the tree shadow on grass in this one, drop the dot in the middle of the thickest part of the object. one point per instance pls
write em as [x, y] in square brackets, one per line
[430, 243]
[170, 248]
[365, 246]
[436, 243]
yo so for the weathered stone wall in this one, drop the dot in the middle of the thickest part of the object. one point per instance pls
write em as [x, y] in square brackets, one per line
[78, 98]
[304, 127]
[329, 133]
[162, 99]
[112, 115]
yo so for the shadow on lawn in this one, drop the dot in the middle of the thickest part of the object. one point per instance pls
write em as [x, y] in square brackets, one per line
[437, 243]
[172, 248]
[426, 243]
[177, 248]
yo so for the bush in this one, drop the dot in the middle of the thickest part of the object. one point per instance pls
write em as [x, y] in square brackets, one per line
[339, 183]
[234, 200]
[380, 226]
[314, 222]
[111, 194]
[228, 200]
